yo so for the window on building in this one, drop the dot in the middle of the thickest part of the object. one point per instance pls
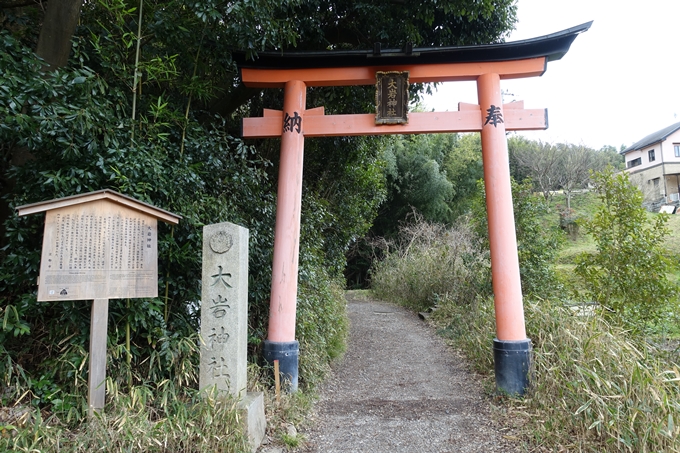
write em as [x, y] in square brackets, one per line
[651, 155]
[635, 162]
[676, 148]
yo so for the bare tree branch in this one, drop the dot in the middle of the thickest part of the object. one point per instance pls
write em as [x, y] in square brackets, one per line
[541, 160]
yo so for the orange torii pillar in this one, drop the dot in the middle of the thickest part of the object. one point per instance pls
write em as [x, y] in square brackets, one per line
[511, 348]
[281, 344]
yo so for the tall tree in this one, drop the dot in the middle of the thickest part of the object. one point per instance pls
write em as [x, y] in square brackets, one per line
[574, 166]
[416, 180]
[342, 24]
[56, 33]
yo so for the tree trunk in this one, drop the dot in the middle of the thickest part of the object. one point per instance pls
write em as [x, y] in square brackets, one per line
[54, 46]
[568, 200]
[54, 43]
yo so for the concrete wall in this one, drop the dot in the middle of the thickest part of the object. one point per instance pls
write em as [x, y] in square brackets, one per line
[668, 175]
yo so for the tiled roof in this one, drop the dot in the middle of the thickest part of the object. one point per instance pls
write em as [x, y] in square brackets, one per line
[656, 137]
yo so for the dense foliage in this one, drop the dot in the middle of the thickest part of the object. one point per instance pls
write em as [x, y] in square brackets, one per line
[150, 105]
[360, 24]
[432, 176]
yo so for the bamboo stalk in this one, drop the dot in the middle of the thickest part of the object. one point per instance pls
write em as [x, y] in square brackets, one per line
[134, 83]
[277, 380]
[166, 313]
[186, 113]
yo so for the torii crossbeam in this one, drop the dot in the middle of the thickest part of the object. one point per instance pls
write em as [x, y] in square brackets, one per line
[487, 65]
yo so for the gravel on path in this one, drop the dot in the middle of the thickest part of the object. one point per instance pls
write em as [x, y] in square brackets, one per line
[399, 388]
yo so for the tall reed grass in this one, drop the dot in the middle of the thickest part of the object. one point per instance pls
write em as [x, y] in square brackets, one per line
[596, 387]
[429, 261]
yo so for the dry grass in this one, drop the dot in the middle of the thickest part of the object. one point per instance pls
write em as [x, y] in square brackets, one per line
[429, 262]
[596, 389]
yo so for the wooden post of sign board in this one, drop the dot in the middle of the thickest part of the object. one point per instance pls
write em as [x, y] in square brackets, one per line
[96, 381]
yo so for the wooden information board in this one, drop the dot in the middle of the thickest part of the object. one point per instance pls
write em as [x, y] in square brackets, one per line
[100, 245]
[98, 250]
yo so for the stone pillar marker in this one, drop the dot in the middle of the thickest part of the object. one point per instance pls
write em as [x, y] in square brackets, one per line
[224, 322]
[224, 308]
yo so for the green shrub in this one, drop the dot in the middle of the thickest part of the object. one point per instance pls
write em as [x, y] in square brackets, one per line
[74, 125]
[629, 272]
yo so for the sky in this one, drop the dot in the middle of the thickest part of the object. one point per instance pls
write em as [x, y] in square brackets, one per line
[619, 82]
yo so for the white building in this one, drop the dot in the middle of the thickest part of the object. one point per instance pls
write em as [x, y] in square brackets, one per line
[654, 164]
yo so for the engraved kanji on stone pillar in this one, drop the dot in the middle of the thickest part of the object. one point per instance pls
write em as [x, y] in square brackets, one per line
[224, 308]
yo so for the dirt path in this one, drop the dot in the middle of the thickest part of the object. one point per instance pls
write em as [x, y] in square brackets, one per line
[399, 388]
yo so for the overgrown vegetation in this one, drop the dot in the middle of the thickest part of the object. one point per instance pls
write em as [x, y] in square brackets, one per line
[596, 388]
[436, 176]
[598, 385]
[429, 262]
[143, 97]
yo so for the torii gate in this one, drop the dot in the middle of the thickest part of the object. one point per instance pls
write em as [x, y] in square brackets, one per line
[487, 65]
